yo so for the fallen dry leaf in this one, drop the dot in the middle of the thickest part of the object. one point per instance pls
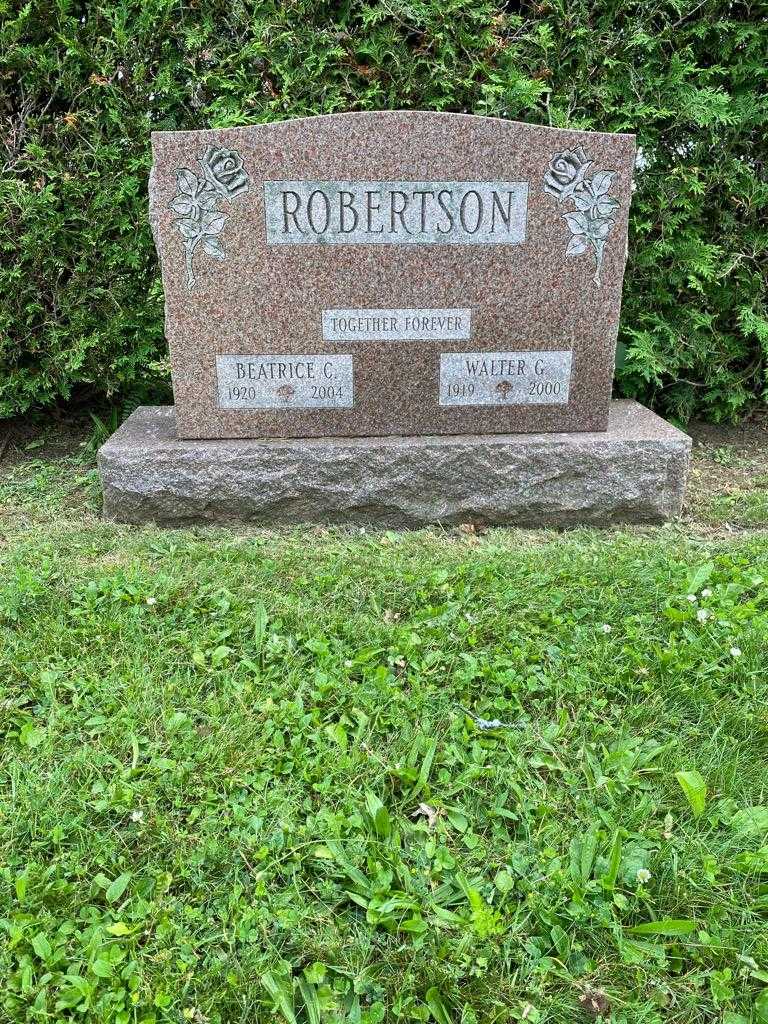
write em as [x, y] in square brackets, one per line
[595, 1002]
[425, 811]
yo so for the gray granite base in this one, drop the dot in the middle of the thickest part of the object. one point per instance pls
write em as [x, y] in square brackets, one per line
[633, 473]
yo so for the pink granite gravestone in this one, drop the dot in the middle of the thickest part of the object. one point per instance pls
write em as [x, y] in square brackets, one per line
[393, 318]
[391, 273]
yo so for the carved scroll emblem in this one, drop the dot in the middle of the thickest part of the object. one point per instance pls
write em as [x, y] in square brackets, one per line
[595, 209]
[196, 202]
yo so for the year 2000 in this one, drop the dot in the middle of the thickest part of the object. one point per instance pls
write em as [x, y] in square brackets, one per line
[541, 388]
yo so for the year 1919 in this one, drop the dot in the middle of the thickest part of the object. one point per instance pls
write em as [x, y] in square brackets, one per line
[461, 390]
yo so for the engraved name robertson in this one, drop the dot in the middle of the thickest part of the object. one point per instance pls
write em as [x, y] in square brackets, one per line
[396, 212]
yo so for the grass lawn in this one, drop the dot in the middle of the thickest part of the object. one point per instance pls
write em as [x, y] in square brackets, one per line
[318, 776]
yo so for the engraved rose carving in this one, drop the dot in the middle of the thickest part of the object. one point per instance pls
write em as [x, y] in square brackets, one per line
[566, 173]
[199, 221]
[593, 217]
[223, 168]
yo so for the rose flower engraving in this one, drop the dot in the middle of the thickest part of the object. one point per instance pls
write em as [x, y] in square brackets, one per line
[590, 223]
[566, 173]
[223, 168]
[199, 221]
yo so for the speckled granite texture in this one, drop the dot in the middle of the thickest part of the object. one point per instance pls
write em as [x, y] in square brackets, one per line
[632, 473]
[229, 292]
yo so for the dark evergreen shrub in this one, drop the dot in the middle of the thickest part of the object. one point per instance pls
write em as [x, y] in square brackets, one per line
[83, 84]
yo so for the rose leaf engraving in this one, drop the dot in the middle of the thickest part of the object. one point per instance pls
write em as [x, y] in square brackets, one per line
[591, 222]
[199, 221]
[577, 245]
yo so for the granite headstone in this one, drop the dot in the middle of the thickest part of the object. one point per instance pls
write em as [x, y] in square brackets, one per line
[387, 273]
[397, 319]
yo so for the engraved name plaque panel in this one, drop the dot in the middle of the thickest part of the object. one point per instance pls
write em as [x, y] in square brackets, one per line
[285, 382]
[399, 272]
[504, 378]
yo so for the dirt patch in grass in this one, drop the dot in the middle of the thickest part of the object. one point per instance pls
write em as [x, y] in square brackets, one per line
[732, 446]
[728, 483]
[28, 439]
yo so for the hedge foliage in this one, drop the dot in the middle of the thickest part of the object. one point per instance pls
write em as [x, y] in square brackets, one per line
[83, 84]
